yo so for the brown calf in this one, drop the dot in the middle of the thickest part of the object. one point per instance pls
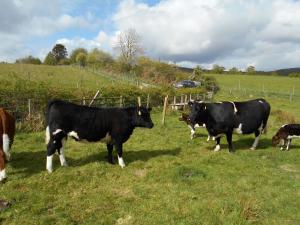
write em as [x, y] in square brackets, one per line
[7, 132]
[285, 134]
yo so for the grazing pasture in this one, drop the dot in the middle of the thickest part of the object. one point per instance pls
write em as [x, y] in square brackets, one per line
[168, 178]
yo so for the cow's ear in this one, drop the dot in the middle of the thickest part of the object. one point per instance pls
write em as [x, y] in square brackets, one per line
[190, 103]
[149, 109]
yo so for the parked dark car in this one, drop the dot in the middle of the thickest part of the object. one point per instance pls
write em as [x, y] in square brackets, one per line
[187, 84]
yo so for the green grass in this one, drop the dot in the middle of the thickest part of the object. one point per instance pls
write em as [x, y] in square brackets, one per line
[54, 76]
[168, 179]
[258, 83]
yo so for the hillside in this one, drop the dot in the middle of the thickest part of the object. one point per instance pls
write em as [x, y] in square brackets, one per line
[287, 71]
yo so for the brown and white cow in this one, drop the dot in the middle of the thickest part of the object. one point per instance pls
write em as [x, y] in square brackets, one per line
[285, 134]
[7, 132]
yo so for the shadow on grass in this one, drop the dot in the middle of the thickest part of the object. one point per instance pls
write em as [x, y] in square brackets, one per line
[30, 163]
[244, 144]
[129, 156]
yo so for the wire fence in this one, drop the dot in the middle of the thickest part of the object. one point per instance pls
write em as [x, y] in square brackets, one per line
[239, 92]
[30, 113]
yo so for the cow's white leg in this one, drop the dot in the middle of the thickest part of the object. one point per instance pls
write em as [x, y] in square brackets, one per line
[217, 148]
[255, 143]
[62, 158]
[192, 131]
[2, 175]
[208, 138]
[288, 144]
[121, 162]
[6, 141]
[49, 166]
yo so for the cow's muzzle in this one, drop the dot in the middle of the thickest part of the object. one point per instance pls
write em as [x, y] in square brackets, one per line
[150, 125]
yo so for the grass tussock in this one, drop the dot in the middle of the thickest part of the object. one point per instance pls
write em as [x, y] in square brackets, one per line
[284, 117]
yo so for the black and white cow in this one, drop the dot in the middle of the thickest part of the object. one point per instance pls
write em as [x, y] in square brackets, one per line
[226, 117]
[110, 125]
[285, 134]
[185, 117]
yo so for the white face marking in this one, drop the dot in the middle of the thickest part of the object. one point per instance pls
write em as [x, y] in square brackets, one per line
[217, 148]
[6, 141]
[57, 131]
[261, 101]
[239, 129]
[74, 135]
[235, 109]
[106, 139]
[49, 163]
[121, 162]
[2, 175]
[47, 137]
[140, 113]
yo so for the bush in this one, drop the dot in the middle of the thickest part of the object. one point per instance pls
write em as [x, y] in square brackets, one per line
[29, 60]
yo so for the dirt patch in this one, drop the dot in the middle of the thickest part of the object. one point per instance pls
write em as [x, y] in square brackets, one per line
[140, 173]
[284, 117]
[124, 220]
[289, 168]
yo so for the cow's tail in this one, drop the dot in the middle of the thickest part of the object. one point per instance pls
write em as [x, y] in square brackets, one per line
[47, 112]
[8, 126]
[267, 109]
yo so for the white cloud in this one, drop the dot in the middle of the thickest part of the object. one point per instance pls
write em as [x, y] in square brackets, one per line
[21, 21]
[230, 33]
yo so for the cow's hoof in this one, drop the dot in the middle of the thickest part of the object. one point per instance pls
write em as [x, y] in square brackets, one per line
[252, 148]
[121, 162]
[50, 170]
[65, 164]
[217, 148]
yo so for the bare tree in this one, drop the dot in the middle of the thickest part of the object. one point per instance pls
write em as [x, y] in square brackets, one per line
[129, 47]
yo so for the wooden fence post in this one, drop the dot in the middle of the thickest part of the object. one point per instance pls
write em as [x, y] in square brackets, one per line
[185, 102]
[148, 101]
[174, 103]
[97, 93]
[164, 110]
[139, 101]
[29, 107]
[83, 100]
[121, 101]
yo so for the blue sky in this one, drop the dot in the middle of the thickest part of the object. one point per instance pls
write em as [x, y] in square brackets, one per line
[262, 33]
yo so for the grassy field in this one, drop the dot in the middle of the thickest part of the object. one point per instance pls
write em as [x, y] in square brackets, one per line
[168, 178]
